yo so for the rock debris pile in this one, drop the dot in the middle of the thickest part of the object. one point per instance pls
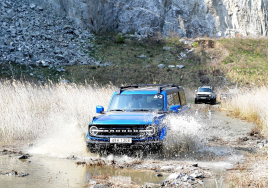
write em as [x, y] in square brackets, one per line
[15, 173]
[182, 174]
[36, 36]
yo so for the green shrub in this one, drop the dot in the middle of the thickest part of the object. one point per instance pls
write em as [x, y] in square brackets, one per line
[119, 38]
[195, 44]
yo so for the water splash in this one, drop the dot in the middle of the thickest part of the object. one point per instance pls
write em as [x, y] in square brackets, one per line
[63, 139]
[55, 120]
[185, 134]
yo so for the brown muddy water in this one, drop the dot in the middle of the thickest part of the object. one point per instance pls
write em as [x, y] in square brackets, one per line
[53, 172]
[214, 145]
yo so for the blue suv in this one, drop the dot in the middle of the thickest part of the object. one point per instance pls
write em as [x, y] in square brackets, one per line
[134, 119]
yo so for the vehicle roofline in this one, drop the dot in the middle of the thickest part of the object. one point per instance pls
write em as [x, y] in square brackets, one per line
[160, 87]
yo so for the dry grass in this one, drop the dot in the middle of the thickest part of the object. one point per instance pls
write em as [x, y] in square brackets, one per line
[251, 105]
[253, 173]
[28, 110]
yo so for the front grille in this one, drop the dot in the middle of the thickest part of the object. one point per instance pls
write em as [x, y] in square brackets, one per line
[203, 95]
[121, 130]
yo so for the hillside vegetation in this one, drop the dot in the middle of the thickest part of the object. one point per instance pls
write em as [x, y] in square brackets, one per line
[221, 62]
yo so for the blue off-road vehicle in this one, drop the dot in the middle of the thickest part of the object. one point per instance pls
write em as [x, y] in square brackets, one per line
[134, 119]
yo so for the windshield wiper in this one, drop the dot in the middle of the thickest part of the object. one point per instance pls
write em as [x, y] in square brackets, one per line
[141, 110]
[119, 110]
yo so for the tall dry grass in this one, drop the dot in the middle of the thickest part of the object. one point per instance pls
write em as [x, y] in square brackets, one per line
[251, 105]
[253, 173]
[27, 110]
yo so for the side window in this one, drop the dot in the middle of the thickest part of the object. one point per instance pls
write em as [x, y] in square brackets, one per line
[173, 99]
[182, 97]
[169, 100]
[176, 98]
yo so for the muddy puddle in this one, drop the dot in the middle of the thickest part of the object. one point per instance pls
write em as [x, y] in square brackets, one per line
[209, 143]
[53, 172]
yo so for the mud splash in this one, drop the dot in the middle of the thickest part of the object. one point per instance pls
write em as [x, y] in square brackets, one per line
[65, 139]
[62, 140]
[185, 134]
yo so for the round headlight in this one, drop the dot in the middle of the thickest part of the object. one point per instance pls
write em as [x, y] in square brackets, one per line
[210, 95]
[150, 130]
[93, 130]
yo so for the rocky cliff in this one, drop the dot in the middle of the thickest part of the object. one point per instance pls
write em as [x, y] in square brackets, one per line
[188, 18]
[36, 36]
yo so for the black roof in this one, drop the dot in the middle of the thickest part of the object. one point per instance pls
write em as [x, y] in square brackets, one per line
[169, 88]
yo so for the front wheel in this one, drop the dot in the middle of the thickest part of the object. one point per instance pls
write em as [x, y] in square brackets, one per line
[214, 101]
[140, 154]
[103, 153]
[90, 149]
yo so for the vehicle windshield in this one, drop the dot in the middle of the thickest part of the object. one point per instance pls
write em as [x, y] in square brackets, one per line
[137, 102]
[204, 90]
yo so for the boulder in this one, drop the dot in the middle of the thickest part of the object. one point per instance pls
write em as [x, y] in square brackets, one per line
[24, 156]
[32, 5]
[142, 56]
[180, 66]
[40, 8]
[161, 66]
[22, 175]
[166, 48]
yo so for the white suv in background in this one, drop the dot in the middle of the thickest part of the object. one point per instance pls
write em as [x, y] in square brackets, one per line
[205, 94]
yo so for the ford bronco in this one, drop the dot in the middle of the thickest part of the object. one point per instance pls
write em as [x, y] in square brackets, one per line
[205, 94]
[134, 119]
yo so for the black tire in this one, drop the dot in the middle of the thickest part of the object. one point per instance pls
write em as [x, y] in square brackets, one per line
[91, 150]
[195, 101]
[213, 102]
[160, 150]
[140, 154]
[103, 153]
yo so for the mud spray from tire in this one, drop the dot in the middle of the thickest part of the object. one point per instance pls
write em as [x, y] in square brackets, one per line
[185, 134]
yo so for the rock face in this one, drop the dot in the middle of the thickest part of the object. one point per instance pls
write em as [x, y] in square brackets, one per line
[57, 32]
[188, 18]
[36, 36]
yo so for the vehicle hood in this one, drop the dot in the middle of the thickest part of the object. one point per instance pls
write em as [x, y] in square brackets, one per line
[204, 93]
[126, 118]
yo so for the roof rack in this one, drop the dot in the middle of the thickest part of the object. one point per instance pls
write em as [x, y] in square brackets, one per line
[206, 85]
[160, 88]
[124, 87]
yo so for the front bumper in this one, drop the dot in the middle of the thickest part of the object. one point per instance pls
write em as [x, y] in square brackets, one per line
[98, 145]
[151, 143]
[204, 98]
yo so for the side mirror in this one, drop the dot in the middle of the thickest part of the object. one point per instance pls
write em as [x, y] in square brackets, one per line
[214, 91]
[195, 90]
[175, 108]
[99, 109]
